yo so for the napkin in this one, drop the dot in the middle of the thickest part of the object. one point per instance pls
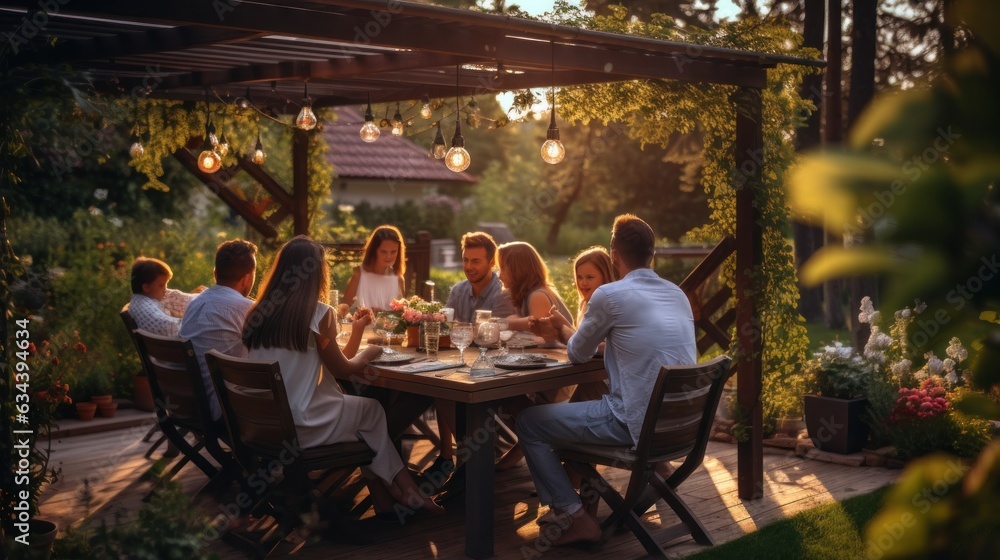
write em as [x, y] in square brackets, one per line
[420, 367]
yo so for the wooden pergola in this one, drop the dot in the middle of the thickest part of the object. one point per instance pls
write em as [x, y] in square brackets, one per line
[394, 51]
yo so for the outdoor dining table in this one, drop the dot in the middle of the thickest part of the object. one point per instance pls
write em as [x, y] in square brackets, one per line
[481, 397]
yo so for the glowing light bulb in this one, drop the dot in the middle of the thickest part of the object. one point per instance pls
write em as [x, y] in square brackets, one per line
[457, 159]
[370, 132]
[438, 149]
[425, 109]
[397, 123]
[306, 119]
[222, 148]
[136, 149]
[209, 161]
[553, 151]
[258, 156]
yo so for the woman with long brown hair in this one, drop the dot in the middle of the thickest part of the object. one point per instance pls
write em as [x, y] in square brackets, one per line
[292, 324]
[525, 276]
[379, 279]
[592, 268]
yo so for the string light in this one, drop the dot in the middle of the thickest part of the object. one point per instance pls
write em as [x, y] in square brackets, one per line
[553, 150]
[438, 149]
[258, 156]
[457, 159]
[397, 122]
[137, 149]
[369, 131]
[306, 119]
[209, 160]
[425, 109]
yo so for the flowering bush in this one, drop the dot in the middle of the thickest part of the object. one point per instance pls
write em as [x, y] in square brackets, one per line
[838, 372]
[909, 406]
[415, 310]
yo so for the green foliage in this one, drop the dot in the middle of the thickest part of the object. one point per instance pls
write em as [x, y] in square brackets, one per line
[838, 372]
[436, 216]
[653, 111]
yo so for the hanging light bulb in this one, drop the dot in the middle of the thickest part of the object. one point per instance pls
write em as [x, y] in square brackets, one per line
[438, 149]
[258, 156]
[137, 149]
[457, 159]
[369, 131]
[222, 148]
[244, 103]
[553, 150]
[397, 122]
[384, 123]
[425, 110]
[210, 134]
[209, 160]
[306, 119]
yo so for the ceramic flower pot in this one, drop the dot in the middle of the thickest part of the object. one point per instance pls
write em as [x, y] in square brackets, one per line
[100, 399]
[107, 410]
[412, 336]
[142, 395]
[86, 410]
[835, 424]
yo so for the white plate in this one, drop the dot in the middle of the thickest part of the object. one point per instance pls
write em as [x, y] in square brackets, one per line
[393, 359]
[523, 361]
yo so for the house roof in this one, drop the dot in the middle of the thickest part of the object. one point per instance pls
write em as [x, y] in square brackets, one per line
[390, 157]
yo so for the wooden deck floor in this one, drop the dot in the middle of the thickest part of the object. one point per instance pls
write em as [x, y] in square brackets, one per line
[113, 463]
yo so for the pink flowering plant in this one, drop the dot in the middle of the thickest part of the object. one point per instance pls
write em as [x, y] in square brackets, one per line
[415, 310]
[910, 406]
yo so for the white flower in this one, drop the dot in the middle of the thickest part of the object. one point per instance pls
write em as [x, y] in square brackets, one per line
[101, 194]
[919, 306]
[867, 309]
[905, 313]
[956, 350]
[920, 374]
[115, 221]
[949, 364]
[168, 221]
[900, 368]
[345, 208]
[94, 211]
[934, 364]
[952, 378]
[876, 317]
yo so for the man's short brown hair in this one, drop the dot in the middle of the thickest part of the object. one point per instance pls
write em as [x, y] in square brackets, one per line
[234, 259]
[146, 270]
[480, 239]
[633, 240]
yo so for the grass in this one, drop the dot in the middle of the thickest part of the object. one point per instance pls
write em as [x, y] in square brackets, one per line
[820, 335]
[831, 531]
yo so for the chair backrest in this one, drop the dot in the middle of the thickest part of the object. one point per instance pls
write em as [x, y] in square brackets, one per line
[254, 404]
[175, 379]
[681, 410]
[131, 326]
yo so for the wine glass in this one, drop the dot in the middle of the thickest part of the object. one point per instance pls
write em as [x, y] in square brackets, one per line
[487, 335]
[461, 337]
[385, 323]
[505, 334]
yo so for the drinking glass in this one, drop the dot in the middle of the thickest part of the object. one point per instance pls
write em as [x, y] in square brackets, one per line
[483, 315]
[461, 337]
[487, 334]
[432, 337]
[505, 334]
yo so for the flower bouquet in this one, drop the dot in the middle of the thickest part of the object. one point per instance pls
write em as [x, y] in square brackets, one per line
[413, 312]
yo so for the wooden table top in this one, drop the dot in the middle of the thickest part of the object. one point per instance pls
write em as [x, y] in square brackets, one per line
[457, 386]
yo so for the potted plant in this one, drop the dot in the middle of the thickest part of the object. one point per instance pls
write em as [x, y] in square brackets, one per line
[413, 312]
[837, 378]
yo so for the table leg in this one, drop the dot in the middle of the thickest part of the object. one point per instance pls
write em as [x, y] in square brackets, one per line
[480, 441]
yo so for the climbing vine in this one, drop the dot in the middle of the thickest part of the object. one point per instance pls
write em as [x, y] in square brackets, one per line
[655, 110]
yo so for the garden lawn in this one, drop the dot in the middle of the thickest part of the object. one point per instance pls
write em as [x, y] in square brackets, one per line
[820, 335]
[831, 531]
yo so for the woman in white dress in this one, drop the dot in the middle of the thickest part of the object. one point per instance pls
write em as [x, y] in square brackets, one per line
[379, 279]
[292, 324]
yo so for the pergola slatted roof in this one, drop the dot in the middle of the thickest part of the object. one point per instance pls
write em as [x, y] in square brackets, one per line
[398, 51]
[349, 48]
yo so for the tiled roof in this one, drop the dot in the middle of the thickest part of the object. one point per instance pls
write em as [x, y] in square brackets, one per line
[389, 157]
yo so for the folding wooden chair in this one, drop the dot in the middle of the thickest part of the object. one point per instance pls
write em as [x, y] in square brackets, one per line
[131, 327]
[182, 406]
[262, 430]
[677, 424]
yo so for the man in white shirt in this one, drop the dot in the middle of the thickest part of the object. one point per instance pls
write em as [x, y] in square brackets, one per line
[214, 320]
[647, 323]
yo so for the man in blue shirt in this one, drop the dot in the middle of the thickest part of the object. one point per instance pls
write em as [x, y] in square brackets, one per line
[482, 288]
[647, 323]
